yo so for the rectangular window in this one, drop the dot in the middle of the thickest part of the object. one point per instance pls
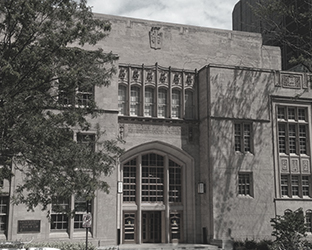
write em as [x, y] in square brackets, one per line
[85, 96]
[175, 182]
[284, 185]
[59, 216]
[4, 205]
[129, 181]
[152, 184]
[245, 184]
[243, 137]
[295, 185]
[305, 185]
[81, 208]
[292, 130]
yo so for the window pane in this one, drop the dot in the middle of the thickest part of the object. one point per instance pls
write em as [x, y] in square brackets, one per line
[282, 138]
[284, 185]
[247, 137]
[302, 139]
[122, 99]
[291, 114]
[244, 183]
[281, 113]
[175, 113]
[237, 128]
[162, 103]
[295, 185]
[135, 101]
[149, 102]
[305, 185]
[292, 138]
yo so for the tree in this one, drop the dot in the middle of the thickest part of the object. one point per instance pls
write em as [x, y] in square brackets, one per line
[290, 231]
[46, 82]
[287, 23]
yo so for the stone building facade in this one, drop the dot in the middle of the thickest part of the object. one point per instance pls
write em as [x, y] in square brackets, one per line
[217, 140]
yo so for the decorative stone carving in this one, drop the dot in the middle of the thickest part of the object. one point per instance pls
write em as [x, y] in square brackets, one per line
[284, 165]
[291, 81]
[294, 165]
[156, 38]
[135, 75]
[149, 76]
[122, 74]
[189, 80]
[305, 166]
[163, 77]
[176, 78]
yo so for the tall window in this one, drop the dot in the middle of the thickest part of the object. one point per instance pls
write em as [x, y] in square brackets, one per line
[85, 95]
[162, 103]
[129, 181]
[243, 137]
[245, 184]
[4, 204]
[135, 101]
[308, 218]
[292, 130]
[189, 106]
[81, 208]
[149, 102]
[176, 104]
[122, 93]
[175, 184]
[152, 178]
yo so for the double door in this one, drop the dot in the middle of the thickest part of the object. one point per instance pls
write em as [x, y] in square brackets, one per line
[151, 226]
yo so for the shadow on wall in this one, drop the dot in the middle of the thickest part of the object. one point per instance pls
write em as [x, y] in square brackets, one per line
[243, 98]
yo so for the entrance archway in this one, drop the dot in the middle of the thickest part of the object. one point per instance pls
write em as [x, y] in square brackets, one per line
[157, 202]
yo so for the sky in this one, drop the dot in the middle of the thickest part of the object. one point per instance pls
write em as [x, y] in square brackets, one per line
[205, 13]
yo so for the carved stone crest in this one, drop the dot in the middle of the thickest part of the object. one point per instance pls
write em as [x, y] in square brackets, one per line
[155, 38]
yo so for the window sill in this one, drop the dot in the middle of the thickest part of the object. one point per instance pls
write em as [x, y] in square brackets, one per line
[58, 234]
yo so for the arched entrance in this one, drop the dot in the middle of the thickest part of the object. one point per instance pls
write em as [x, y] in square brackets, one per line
[157, 202]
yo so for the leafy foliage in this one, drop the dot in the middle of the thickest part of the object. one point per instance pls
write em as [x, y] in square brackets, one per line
[41, 51]
[290, 230]
[288, 22]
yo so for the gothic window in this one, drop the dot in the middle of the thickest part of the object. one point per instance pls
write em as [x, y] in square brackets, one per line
[175, 182]
[129, 181]
[122, 100]
[149, 102]
[135, 101]
[152, 178]
[176, 104]
[162, 103]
